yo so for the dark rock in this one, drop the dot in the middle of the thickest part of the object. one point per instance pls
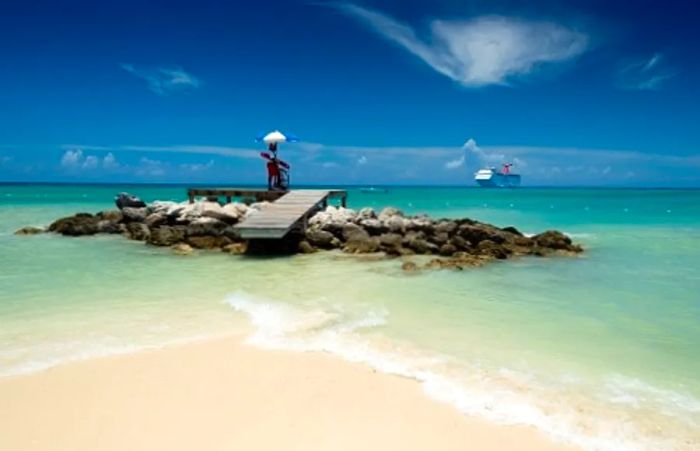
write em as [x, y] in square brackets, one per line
[78, 225]
[446, 227]
[553, 239]
[126, 200]
[306, 248]
[110, 215]
[513, 230]
[156, 219]
[208, 242]
[474, 233]
[319, 238]
[29, 231]
[460, 243]
[134, 214]
[206, 227]
[440, 238]
[362, 244]
[492, 249]
[353, 232]
[138, 231]
[373, 226]
[166, 235]
[422, 246]
[447, 249]
[105, 226]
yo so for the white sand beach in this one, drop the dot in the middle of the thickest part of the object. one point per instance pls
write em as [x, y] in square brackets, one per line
[225, 395]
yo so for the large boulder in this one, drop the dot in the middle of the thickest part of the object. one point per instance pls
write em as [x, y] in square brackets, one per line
[78, 225]
[366, 213]
[388, 212]
[126, 200]
[306, 248]
[138, 231]
[134, 214]
[445, 226]
[166, 235]
[395, 224]
[553, 240]
[354, 232]
[206, 226]
[362, 244]
[475, 233]
[105, 226]
[373, 226]
[156, 219]
[333, 218]
[162, 206]
[319, 238]
[492, 249]
[110, 215]
[421, 245]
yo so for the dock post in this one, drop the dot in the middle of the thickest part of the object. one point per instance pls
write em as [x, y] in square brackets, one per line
[190, 195]
[228, 199]
[344, 200]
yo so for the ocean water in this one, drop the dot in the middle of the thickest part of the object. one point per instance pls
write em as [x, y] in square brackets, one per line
[601, 351]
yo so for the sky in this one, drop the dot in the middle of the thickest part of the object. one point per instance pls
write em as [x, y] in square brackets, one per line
[582, 92]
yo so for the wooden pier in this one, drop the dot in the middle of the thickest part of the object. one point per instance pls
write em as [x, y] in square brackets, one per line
[286, 211]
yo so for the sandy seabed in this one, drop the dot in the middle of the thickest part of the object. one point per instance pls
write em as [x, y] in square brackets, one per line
[225, 395]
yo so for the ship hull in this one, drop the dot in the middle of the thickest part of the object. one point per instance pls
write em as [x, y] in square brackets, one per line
[500, 181]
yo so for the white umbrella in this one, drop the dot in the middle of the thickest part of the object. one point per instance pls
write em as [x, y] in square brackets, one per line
[277, 137]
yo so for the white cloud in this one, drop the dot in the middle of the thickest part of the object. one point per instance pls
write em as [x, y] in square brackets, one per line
[481, 51]
[110, 161]
[330, 164]
[164, 80]
[90, 162]
[646, 74]
[72, 158]
[362, 160]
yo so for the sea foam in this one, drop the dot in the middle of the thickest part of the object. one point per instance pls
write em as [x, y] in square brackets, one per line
[504, 396]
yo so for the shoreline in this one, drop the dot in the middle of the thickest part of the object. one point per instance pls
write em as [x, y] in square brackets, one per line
[223, 394]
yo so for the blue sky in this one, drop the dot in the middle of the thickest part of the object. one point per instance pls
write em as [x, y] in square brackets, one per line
[381, 92]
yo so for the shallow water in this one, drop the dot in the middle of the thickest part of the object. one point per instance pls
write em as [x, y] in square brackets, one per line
[602, 351]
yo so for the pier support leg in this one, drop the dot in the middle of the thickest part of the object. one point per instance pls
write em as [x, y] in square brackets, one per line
[228, 199]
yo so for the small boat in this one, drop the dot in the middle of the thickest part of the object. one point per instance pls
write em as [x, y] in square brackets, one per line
[373, 190]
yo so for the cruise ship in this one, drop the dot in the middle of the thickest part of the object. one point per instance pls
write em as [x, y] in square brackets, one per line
[492, 178]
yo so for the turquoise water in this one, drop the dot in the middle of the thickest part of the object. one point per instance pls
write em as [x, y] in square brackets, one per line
[602, 351]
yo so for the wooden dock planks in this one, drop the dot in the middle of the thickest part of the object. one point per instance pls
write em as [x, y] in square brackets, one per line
[278, 217]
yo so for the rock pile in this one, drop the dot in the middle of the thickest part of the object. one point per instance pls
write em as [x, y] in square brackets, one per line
[458, 243]
[452, 243]
[183, 226]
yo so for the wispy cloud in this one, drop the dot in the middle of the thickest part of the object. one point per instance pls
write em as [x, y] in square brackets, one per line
[234, 152]
[164, 80]
[481, 51]
[645, 74]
